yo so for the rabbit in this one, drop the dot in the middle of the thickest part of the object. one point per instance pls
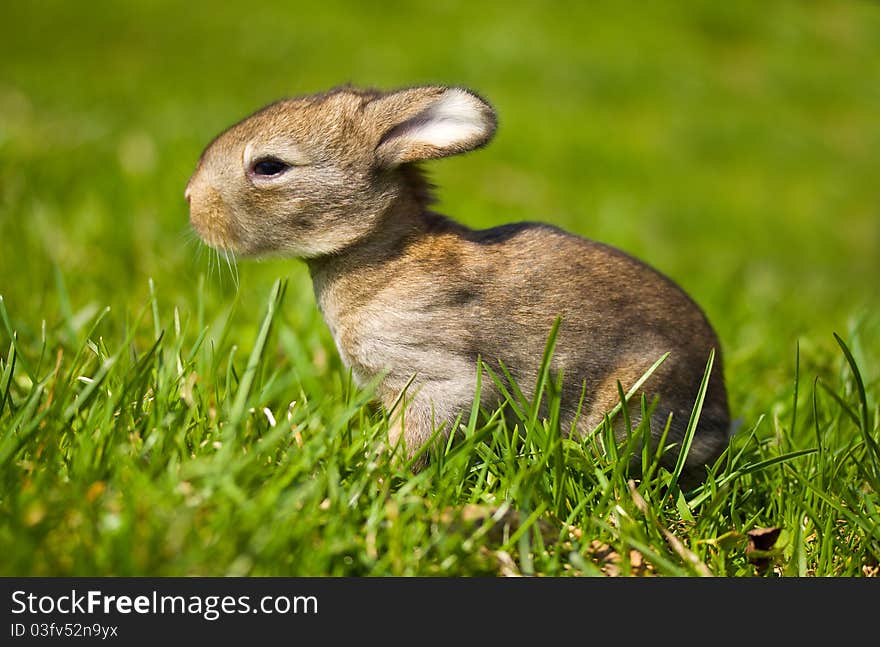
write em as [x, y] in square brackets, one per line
[413, 298]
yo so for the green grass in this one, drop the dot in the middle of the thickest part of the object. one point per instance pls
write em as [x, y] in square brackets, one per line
[158, 417]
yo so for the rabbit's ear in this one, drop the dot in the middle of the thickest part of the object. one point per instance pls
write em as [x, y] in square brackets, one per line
[427, 123]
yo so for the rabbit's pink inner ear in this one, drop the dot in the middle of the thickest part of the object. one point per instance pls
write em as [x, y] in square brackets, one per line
[455, 122]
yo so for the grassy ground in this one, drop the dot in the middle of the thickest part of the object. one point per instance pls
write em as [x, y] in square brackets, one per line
[157, 419]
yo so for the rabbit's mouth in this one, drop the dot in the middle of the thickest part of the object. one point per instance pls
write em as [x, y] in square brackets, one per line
[209, 217]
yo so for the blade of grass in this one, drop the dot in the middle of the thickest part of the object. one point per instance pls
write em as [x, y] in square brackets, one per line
[6, 379]
[12, 443]
[844, 406]
[797, 371]
[544, 371]
[247, 379]
[749, 469]
[692, 423]
[865, 425]
[629, 394]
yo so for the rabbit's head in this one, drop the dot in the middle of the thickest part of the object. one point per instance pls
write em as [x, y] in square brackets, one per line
[311, 175]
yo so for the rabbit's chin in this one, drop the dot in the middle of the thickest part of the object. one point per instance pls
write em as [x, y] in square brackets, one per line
[213, 236]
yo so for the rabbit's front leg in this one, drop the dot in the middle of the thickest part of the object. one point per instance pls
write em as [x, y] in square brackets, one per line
[428, 416]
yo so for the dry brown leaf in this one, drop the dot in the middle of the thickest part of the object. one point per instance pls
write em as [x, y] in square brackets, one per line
[496, 523]
[610, 561]
[760, 549]
[506, 565]
[674, 542]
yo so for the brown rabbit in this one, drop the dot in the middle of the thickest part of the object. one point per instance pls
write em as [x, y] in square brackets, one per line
[415, 297]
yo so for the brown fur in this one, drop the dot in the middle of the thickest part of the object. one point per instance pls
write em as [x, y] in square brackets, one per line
[416, 297]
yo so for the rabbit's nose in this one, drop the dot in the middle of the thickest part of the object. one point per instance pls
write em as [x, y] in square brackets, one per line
[187, 194]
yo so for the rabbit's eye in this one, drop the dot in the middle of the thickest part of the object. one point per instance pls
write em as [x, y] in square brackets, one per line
[269, 166]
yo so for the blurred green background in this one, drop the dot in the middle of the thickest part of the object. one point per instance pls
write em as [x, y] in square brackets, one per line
[734, 146]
